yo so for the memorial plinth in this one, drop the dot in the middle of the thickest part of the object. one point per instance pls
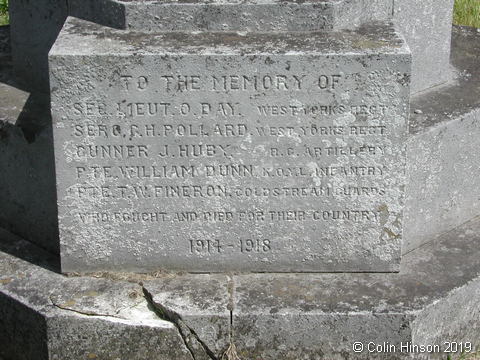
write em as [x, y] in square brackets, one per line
[211, 152]
[232, 15]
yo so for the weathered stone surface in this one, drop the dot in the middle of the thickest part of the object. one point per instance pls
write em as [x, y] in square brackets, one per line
[97, 338]
[433, 300]
[199, 304]
[281, 152]
[28, 195]
[441, 110]
[442, 150]
[228, 15]
[27, 198]
[22, 331]
[34, 28]
[48, 316]
[461, 312]
[263, 15]
[425, 24]
[427, 27]
[323, 315]
[105, 12]
[36, 24]
[353, 13]
[442, 193]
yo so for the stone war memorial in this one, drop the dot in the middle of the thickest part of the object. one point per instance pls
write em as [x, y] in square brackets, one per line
[225, 180]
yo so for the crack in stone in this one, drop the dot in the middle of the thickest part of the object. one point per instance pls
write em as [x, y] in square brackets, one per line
[231, 303]
[231, 352]
[190, 338]
[86, 313]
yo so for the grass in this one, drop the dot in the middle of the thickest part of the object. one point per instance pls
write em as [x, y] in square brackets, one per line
[467, 12]
[4, 12]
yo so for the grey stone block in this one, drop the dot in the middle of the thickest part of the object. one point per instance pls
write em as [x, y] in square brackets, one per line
[425, 24]
[336, 209]
[97, 338]
[442, 150]
[229, 15]
[22, 331]
[268, 15]
[28, 186]
[433, 300]
[441, 110]
[442, 191]
[34, 26]
[27, 199]
[427, 27]
[104, 12]
[461, 312]
[353, 13]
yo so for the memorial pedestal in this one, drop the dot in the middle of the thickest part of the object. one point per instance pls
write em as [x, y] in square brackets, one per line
[208, 91]
[212, 152]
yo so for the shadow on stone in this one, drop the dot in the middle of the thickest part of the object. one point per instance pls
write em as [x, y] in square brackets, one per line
[28, 197]
[104, 12]
[35, 116]
[27, 251]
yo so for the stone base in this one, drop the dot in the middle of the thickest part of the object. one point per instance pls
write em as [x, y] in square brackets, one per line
[438, 120]
[442, 151]
[432, 301]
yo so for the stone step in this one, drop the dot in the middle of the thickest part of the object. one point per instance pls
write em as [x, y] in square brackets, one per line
[248, 200]
[221, 15]
[433, 301]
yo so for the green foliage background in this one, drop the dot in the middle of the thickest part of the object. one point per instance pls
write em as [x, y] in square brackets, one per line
[3, 12]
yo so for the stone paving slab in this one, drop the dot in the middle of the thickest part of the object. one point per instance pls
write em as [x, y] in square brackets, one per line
[45, 315]
[312, 312]
[433, 299]
[200, 302]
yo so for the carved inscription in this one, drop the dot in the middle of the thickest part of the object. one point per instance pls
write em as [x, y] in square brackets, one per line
[225, 163]
[222, 150]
